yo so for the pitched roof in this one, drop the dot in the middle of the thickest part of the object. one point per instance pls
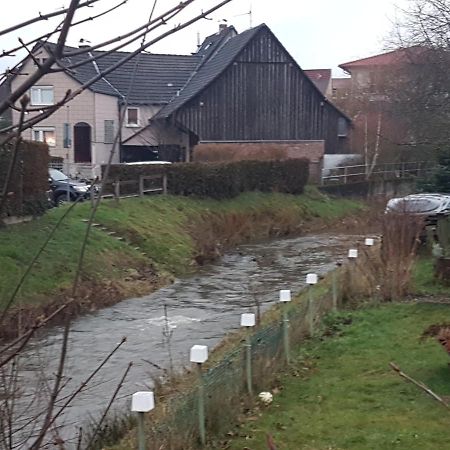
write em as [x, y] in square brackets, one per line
[398, 56]
[157, 79]
[320, 77]
[208, 71]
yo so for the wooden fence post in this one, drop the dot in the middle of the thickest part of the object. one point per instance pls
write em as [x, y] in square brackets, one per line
[141, 186]
[117, 191]
[164, 182]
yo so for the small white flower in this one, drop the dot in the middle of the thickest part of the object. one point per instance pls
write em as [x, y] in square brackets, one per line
[265, 397]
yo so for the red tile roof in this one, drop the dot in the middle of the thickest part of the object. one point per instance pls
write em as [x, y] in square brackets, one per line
[399, 56]
[320, 77]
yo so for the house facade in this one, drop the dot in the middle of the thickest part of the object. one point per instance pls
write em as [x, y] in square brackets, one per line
[369, 97]
[236, 87]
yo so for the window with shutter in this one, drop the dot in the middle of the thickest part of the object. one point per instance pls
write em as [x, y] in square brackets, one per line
[109, 132]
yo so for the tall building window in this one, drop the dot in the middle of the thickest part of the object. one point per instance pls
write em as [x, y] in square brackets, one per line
[44, 134]
[42, 95]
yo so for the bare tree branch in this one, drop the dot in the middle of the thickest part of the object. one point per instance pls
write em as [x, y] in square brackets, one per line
[45, 17]
[108, 407]
[56, 389]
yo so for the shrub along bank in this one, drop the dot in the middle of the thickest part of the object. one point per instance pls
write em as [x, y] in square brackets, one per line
[29, 182]
[162, 236]
[223, 180]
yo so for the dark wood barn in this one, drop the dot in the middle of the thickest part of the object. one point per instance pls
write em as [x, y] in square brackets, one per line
[249, 88]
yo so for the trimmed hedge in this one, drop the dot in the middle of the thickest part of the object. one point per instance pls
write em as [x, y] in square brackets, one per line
[29, 184]
[224, 180]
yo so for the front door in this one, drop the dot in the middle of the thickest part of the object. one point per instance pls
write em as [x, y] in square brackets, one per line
[82, 142]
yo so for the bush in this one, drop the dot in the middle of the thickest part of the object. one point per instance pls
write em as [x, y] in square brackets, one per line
[224, 180]
[27, 193]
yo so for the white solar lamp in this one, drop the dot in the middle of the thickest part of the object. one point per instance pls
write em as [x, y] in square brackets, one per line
[142, 402]
[311, 278]
[369, 242]
[285, 295]
[199, 354]
[248, 320]
[353, 253]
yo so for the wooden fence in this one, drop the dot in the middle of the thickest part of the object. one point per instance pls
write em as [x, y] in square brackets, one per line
[144, 185]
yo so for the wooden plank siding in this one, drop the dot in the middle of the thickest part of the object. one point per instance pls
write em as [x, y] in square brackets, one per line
[262, 95]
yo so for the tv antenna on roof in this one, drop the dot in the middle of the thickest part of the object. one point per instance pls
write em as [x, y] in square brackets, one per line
[249, 14]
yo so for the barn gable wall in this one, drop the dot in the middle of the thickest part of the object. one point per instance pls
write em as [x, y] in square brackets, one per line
[262, 95]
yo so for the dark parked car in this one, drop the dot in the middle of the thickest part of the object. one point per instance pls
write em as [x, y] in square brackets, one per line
[63, 189]
[431, 206]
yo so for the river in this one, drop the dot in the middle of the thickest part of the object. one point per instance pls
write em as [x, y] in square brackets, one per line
[201, 309]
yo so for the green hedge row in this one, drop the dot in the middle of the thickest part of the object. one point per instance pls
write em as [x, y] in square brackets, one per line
[27, 193]
[224, 180]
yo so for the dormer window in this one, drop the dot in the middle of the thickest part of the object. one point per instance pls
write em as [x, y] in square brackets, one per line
[41, 95]
[132, 119]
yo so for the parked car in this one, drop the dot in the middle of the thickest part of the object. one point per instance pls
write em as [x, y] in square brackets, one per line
[431, 206]
[63, 188]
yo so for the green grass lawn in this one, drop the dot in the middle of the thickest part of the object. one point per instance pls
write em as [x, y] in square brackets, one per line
[341, 393]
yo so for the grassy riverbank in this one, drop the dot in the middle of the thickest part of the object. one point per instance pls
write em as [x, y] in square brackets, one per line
[341, 394]
[160, 236]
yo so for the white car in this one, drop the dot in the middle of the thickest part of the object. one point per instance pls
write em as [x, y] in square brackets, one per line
[431, 206]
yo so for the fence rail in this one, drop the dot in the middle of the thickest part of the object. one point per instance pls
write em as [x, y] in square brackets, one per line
[386, 171]
[144, 185]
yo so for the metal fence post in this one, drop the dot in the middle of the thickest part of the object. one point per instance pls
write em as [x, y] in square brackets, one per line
[201, 405]
[311, 279]
[286, 333]
[334, 289]
[310, 312]
[248, 364]
[248, 321]
[141, 430]
[285, 298]
[199, 355]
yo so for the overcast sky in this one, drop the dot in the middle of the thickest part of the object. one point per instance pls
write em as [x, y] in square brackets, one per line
[317, 33]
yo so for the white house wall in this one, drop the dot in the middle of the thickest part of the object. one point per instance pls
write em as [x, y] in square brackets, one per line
[145, 114]
[106, 108]
[86, 107]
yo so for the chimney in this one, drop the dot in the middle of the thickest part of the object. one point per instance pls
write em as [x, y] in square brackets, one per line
[222, 27]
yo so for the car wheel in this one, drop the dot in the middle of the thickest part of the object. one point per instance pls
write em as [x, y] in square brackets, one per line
[60, 199]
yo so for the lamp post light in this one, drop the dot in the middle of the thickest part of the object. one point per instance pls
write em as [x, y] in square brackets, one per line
[199, 355]
[285, 298]
[311, 279]
[142, 402]
[248, 321]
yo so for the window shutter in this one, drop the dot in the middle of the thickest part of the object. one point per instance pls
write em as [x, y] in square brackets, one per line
[66, 136]
[109, 132]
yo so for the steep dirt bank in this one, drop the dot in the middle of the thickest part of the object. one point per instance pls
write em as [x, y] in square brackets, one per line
[140, 245]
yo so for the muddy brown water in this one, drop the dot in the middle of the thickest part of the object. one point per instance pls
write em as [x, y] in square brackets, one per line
[201, 309]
